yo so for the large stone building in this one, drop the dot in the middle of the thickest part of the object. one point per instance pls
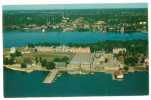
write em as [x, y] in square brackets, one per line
[45, 49]
[81, 61]
[117, 50]
[80, 50]
[63, 48]
[60, 64]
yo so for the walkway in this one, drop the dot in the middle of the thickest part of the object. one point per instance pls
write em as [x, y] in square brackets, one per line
[51, 76]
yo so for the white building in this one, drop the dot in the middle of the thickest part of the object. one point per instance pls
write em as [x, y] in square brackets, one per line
[117, 50]
[13, 50]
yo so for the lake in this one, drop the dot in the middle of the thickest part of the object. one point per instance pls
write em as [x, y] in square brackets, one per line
[22, 38]
[19, 84]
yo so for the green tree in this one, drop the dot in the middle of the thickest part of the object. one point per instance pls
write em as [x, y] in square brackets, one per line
[57, 60]
[11, 61]
[133, 63]
[23, 65]
[142, 61]
[106, 60]
[40, 59]
[36, 59]
[12, 55]
[17, 53]
[50, 65]
[30, 45]
[44, 63]
[35, 50]
[6, 61]
[28, 60]
[65, 59]
[120, 53]
[126, 68]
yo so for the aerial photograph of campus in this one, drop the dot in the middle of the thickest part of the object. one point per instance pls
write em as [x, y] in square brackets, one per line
[70, 50]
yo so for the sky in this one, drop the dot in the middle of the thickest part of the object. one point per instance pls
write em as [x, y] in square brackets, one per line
[75, 6]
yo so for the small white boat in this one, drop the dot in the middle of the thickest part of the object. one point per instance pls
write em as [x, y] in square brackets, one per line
[43, 30]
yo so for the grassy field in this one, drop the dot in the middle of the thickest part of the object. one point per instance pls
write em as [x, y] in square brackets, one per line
[45, 55]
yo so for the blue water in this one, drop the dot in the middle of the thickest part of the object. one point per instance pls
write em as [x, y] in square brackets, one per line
[17, 84]
[22, 38]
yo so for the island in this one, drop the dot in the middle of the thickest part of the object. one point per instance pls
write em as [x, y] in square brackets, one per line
[110, 57]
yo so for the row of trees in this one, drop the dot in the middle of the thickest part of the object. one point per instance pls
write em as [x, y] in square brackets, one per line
[47, 64]
[131, 60]
[17, 53]
[90, 15]
[64, 59]
[7, 61]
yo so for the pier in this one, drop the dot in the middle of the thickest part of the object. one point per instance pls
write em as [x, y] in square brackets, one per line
[51, 76]
[113, 76]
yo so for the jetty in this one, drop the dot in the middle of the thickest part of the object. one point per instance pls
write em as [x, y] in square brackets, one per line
[113, 76]
[50, 77]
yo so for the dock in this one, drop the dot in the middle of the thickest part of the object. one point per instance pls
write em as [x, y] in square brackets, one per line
[113, 76]
[51, 76]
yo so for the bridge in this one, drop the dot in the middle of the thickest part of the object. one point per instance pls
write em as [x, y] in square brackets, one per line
[51, 76]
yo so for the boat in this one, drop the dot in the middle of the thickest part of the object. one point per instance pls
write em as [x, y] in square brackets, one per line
[43, 30]
[59, 75]
[91, 73]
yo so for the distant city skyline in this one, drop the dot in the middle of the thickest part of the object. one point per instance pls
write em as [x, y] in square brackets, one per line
[75, 6]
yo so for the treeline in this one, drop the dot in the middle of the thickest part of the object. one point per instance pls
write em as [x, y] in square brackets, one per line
[7, 61]
[132, 46]
[117, 17]
[17, 53]
[30, 45]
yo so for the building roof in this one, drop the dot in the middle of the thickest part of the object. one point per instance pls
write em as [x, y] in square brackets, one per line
[118, 73]
[112, 63]
[44, 47]
[145, 57]
[82, 58]
[60, 63]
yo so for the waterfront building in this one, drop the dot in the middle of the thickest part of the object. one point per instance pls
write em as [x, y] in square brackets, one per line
[45, 49]
[60, 64]
[13, 50]
[80, 50]
[117, 50]
[146, 60]
[119, 74]
[81, 61]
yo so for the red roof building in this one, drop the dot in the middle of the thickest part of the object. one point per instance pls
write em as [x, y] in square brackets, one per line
[119, 74]
[125, 57]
